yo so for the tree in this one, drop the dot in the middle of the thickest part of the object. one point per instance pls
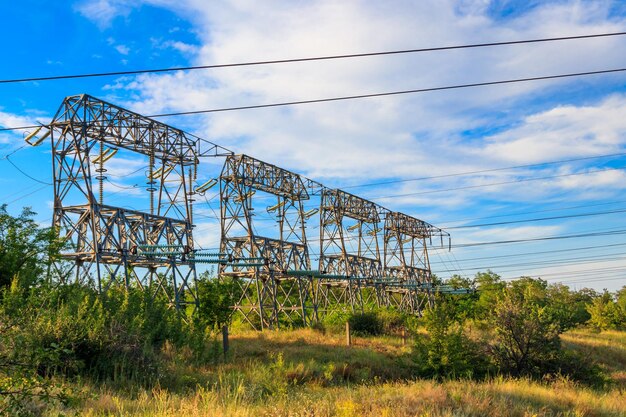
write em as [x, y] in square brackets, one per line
[620, 297]
[464, 304]
[569, 307]
[216, 298]
[26, 250]
[526, 333]
[489, 286]
[456, 281]
[606, 313]
[447, 352]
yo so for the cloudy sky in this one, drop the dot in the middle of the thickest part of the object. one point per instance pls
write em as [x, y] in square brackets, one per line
[563, 137]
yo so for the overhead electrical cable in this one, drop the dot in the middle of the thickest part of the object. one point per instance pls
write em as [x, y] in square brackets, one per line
[443, 224]
[549, 263]
[362, 96]
[546, 252]
[576, 272]
[538, 239]
[25, 174]
[26, 195]
[307, 59]
[482, 171]
[391, 93]
[567, 216]
[467, 187]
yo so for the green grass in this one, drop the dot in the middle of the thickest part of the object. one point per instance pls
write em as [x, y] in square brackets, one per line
[308, 373]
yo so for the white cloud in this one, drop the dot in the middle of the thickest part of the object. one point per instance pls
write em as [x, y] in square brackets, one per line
[564, 131]
[102, 12]
[122, 49]
[405, 136]
[182, 47]
[387, 137]
[11, 120]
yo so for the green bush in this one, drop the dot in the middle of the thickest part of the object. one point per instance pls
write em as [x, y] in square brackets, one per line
[72, 331]
[606, 313]
[527, 322]
[216, 298]
[365, 324]
[391, 320]
[26, 250]
[526, 339]
[446, 351]
[335, 321]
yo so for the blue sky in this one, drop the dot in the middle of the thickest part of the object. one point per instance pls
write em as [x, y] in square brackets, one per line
[367, 141]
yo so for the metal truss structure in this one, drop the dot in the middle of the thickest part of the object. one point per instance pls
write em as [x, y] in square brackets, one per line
[406, 261]
[368, 255]
[267, 293]
[349, 249]
[112, 245]
[273, 269]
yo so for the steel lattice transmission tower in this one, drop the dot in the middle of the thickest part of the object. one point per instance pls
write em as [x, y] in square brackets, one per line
[406, 261]
[368, 255]
[112, 245]
[349, 250]
[258, 263]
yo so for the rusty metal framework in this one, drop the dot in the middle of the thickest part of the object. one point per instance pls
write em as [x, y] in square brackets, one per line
[111, 245]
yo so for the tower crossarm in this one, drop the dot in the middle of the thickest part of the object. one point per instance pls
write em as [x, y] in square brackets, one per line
[265, 177]
[411, 227]
[88, 116]
[350, 205]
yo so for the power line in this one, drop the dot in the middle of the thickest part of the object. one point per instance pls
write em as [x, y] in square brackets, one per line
[482, 171]
[549, 263]
[496, 183]
[567, 216]
[391, 93]
[26, 195]
[24, 173]
[515, 255]
[531, 212]
[14, 151]
[581, 235]
[615, 275]
[362, 96]
[579, 272]
[307, 59]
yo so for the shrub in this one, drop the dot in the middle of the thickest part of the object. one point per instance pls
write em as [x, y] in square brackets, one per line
[606, 313]
[26, 250]
[71, 330]
[447, 352]
[526, 337]
[391, 320]
[335, 321]
[216, 298]
[365, 324]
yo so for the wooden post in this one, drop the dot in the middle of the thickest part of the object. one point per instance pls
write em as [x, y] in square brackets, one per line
[348, 335]
[403, 336]
[225, 339]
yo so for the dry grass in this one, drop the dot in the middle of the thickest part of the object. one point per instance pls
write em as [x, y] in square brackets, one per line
[307, 373]
[419, 398]
[607, 347]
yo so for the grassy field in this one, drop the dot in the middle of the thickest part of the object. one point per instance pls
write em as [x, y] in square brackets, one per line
[308, 373]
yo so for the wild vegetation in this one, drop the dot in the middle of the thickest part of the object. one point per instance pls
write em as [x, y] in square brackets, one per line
[523, 347]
